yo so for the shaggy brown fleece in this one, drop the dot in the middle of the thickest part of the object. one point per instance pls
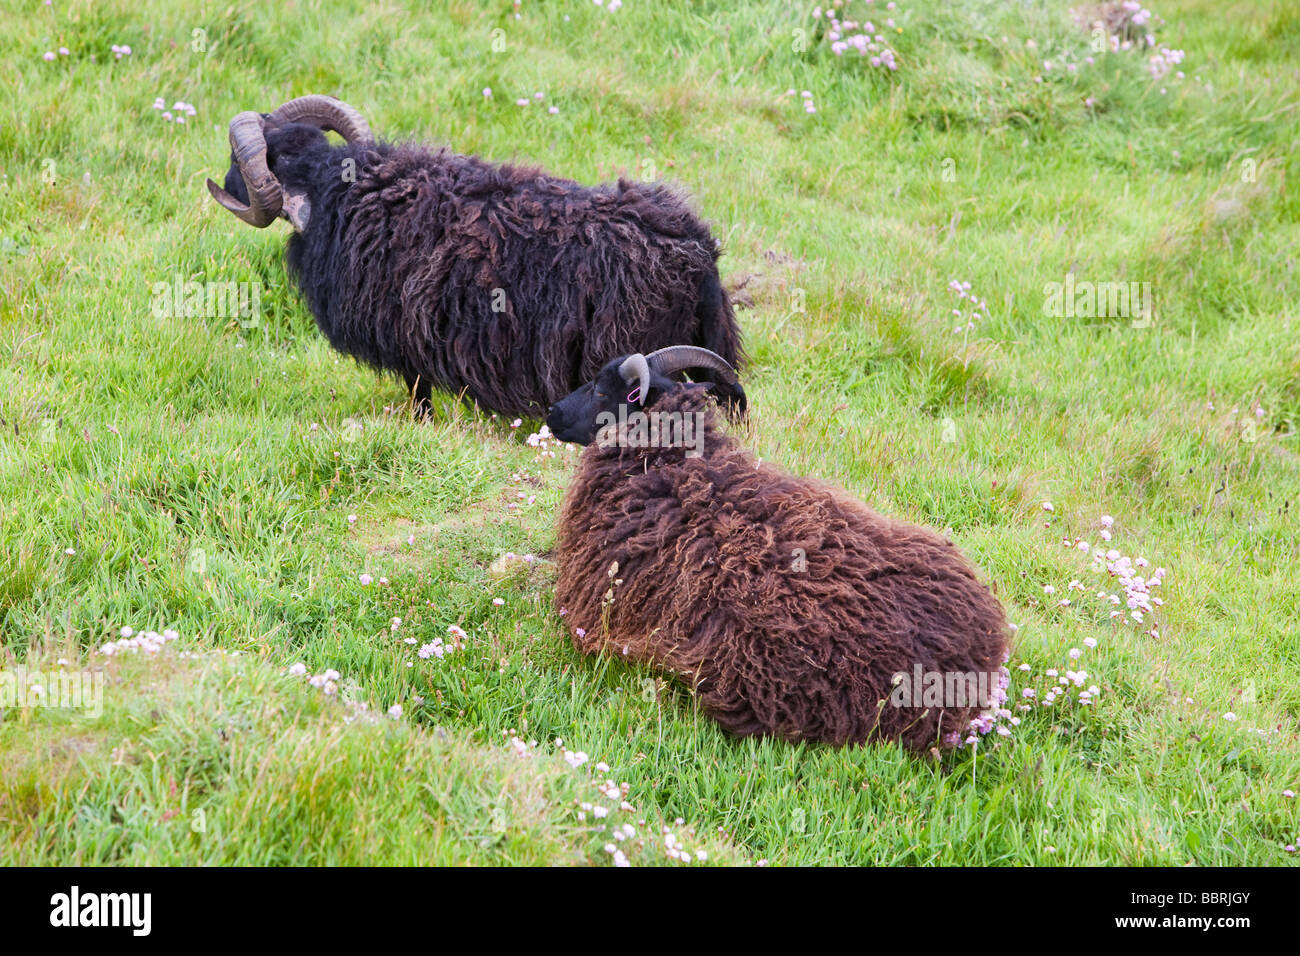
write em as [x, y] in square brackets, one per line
[708, 585]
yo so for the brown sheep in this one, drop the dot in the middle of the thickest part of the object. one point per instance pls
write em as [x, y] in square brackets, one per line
[789, 606]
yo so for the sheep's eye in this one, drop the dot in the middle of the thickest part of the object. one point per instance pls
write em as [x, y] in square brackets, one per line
[600, 394]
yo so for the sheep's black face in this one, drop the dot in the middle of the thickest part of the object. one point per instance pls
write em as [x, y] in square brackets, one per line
[294, 140]
[235, 182]
[579, 415]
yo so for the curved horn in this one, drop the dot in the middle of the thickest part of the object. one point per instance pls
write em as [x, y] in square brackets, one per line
[637, 368]
[327, 113]
[265, 198]
[676, 358]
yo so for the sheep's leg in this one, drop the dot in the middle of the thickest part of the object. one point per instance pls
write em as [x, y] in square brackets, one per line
[732, 398]
[716, 331]
[421, 395]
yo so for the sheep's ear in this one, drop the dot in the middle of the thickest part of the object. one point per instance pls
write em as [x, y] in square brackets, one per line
[635, 372]
[297, 209]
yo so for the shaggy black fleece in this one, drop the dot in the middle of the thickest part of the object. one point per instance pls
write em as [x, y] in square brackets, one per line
[709, 585]
[496, 281]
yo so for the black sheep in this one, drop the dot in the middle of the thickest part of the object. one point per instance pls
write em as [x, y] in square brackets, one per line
[497, 282]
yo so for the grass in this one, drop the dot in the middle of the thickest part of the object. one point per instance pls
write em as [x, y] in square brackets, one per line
[203, 473]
